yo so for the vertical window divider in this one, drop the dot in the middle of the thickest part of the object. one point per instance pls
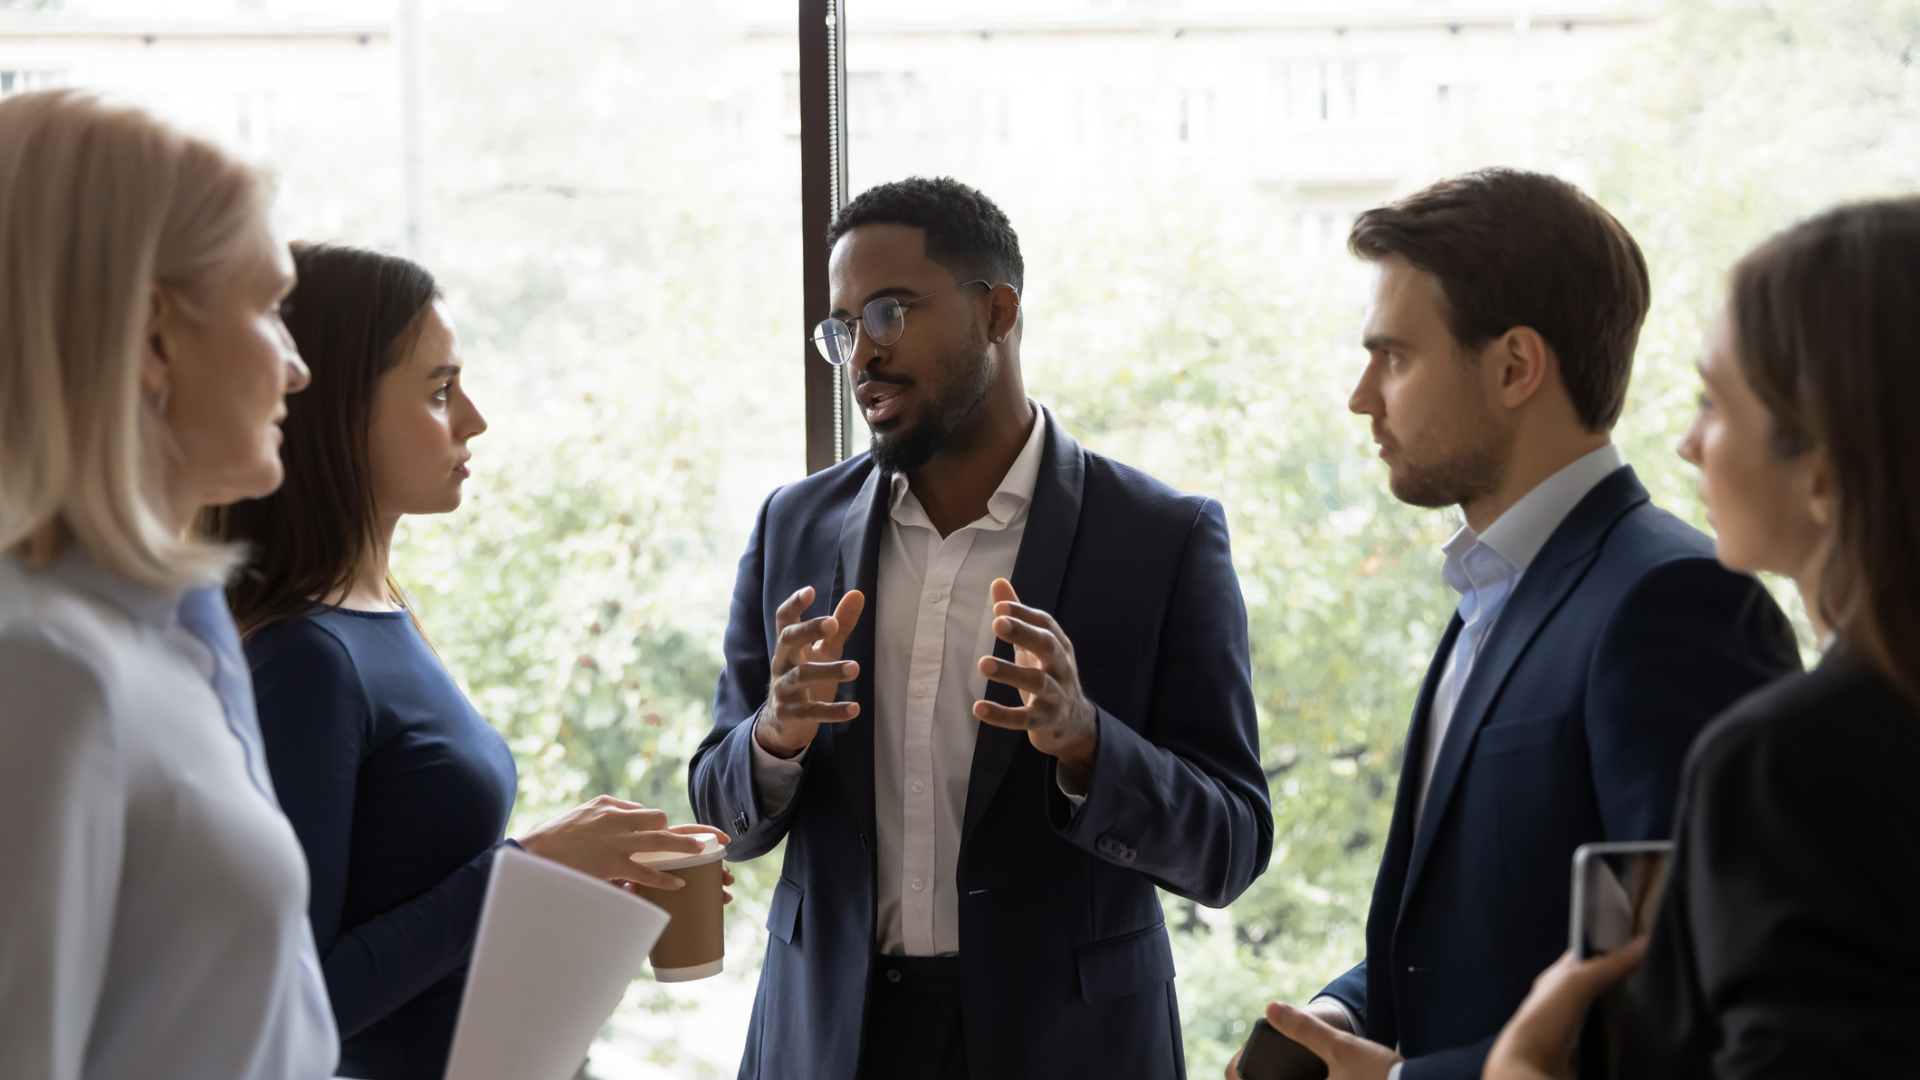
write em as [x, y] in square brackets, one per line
[823, 191]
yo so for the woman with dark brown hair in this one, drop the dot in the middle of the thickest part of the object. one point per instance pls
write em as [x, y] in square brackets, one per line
[398, 789]
[1787, 944]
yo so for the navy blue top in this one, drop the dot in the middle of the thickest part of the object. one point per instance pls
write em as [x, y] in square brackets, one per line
[399, 792]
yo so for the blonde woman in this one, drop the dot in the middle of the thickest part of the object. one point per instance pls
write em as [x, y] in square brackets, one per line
[152, 896]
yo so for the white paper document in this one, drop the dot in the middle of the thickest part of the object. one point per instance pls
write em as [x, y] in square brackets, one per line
[556, 950]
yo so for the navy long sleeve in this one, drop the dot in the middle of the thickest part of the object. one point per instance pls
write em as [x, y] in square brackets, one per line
[399, 792]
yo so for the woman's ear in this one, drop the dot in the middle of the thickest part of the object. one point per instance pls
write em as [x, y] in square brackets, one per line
[155, 373]
[1816, 487]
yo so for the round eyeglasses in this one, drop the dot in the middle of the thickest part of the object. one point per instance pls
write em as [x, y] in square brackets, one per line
[883, 320]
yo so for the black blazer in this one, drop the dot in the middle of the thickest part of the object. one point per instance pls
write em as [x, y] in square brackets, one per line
[1620, 642]
[1066, 969]
[1788, 942]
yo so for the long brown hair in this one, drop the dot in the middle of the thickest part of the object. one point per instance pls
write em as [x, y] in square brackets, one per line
[1828, 319]
[353, 315]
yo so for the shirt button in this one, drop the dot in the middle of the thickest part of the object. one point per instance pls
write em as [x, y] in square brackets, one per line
[919, 689]
[893, 975]
[918, 787]
[933, 598]
[918, 884]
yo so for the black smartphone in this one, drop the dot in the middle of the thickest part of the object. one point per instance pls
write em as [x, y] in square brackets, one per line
[1616, 891]
[1270, 1055]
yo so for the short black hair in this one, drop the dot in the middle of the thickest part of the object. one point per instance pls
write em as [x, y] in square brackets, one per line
[1515, 248]
[966, 232]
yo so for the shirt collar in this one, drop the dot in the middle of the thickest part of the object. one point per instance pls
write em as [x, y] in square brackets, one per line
[142, 603]
[1513, 541]
[1016, 488]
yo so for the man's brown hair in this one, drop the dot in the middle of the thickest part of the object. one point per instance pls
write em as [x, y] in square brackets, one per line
[1514, 248]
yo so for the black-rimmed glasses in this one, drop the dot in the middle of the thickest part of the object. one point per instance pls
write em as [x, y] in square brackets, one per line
[882, 320]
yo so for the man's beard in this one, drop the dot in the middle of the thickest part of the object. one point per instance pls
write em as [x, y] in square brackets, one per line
[1470, 473]
[970, 375]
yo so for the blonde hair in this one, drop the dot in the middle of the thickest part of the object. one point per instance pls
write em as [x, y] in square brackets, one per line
[99, 206]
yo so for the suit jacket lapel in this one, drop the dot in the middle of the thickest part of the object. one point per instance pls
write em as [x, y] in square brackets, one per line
[1052, 519]
[1395, 859]
[1560, 566]
[859, 568]
[1389, 886]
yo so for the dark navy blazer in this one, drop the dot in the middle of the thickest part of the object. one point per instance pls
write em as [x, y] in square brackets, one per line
[1066, 968]
[1620, 642]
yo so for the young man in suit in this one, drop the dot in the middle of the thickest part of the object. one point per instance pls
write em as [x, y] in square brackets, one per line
[990, 688]
[1596, 633]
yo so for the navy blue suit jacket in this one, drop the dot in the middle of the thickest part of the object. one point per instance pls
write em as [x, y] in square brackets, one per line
[1066, 969]
[1620, 642]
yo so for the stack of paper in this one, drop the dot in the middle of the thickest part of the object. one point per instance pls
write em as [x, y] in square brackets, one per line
[555, 953]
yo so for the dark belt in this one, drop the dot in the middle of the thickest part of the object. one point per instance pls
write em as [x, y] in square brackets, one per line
[919, 974]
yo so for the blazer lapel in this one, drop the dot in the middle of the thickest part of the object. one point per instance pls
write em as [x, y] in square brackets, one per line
[1052, 519]
[859, 568]
[1395, 859]
[1560, 566]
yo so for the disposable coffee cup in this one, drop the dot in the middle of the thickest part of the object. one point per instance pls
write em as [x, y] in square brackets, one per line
[694, 942]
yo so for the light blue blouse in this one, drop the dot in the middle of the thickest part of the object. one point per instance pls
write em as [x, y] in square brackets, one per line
[152, 896]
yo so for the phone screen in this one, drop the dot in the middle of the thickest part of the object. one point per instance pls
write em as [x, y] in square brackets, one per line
[1616, 892]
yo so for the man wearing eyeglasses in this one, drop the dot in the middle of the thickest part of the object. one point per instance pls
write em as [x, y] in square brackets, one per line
[990, 687]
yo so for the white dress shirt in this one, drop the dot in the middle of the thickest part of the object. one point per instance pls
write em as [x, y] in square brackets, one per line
[1484, 569]
[153, 905]
[932, 624]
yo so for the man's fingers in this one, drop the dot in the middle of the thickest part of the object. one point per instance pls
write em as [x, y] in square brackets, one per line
[817, 712]
[846, 615]
[802, 634]
[1026, 614]
[829, 671]
[1036, 640]
[1028, 679]
[792, 608]
[1001, 716]
[1002, 592]
[1306, 1029]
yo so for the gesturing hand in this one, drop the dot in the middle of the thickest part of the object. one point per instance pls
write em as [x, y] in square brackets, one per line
[807, 672]
[1054, 712]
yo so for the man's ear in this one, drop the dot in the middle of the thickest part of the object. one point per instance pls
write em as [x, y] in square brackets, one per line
[155, 343]
[1523, 360]
[1003, 320]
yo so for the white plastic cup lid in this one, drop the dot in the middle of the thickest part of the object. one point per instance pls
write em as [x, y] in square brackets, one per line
[674, 860]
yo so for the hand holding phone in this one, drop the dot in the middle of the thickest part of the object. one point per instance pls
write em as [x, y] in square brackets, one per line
[1269, 1055]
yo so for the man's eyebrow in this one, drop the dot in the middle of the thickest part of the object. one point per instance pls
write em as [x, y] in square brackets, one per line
[895, 290]
[1382, 343]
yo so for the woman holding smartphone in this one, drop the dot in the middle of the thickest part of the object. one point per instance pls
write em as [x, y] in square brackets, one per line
[1786, 943]
[399, 790]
